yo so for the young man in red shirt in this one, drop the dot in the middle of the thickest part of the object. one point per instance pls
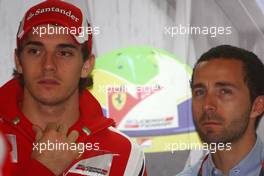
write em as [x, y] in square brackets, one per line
[54, 125]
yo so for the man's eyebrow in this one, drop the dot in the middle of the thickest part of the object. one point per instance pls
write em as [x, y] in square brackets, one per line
[33, 43]
[217, 84]
[62, 45]
[66, 45]
[197, 85]
[225, 84]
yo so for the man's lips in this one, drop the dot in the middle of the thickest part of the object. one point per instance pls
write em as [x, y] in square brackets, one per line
[48, 82]
[210, 123]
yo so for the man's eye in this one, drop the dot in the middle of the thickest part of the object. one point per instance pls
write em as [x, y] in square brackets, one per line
[225, 91]
[198, 92]
[65, 53]
[34, 51]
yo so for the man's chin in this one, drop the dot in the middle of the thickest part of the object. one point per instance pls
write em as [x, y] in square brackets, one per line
[49, 101]
[211, 137]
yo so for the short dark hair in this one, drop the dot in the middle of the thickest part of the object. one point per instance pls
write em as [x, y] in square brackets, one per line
[252, 66]
[83, 82]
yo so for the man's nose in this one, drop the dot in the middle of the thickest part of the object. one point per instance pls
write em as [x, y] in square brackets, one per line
[49, 62]
[210, 105]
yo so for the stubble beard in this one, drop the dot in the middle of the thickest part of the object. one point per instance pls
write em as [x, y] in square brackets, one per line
[229, 134]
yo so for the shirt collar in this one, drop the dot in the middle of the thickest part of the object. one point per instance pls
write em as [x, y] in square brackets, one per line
[250, 162]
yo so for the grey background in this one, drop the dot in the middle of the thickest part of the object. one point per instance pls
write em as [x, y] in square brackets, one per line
[125, 23]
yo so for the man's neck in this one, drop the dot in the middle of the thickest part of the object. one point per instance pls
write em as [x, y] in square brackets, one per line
[226, 160]
[41, 114]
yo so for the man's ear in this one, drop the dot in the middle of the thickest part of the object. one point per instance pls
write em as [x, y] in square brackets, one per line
[257, 107]
[88, 66]
[18, 63]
